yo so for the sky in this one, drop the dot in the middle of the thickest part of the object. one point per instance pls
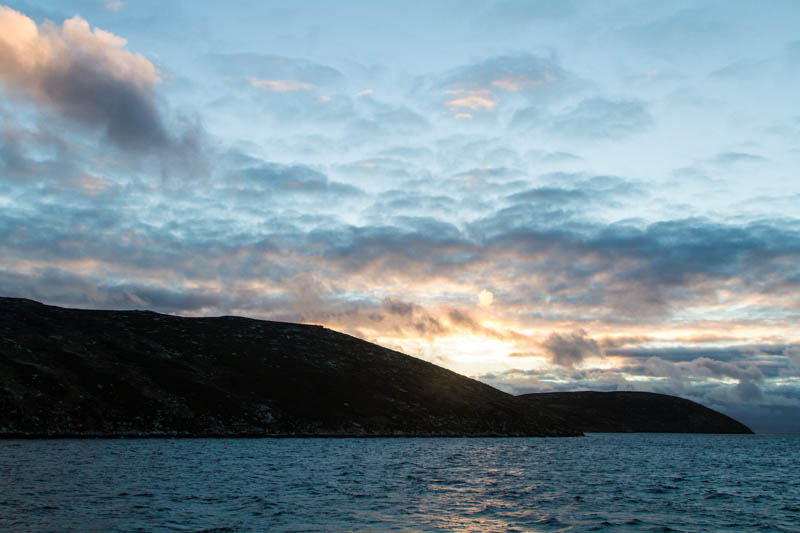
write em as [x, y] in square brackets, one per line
[543, 195]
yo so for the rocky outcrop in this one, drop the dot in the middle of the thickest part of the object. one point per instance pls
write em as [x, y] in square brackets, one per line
[71, 372]
[622, 412]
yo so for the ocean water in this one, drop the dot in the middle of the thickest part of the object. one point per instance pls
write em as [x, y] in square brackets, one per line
[603, 482]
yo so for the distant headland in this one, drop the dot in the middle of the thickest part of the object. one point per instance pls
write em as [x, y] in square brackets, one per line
[81, 373]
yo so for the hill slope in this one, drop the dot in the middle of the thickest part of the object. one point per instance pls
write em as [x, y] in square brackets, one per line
[619, 412]
[77, 372]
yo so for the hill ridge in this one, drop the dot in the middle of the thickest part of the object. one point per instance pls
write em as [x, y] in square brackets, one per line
[86, 372]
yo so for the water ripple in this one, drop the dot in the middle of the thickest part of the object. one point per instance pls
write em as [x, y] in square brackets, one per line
[599, 483]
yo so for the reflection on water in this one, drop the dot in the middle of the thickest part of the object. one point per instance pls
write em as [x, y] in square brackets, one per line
[602, 482]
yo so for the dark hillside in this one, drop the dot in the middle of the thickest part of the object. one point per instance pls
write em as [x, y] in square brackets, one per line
[139, 373]
[622, 412]
[77, 372]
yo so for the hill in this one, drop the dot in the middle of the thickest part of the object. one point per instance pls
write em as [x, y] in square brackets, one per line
[77, 372]
[622, 412]
[70, 372]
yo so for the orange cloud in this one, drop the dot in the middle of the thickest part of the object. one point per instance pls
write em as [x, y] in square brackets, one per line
[515, 84]
[85, 74]
[31, 55]
[485, 298]
[474, 100]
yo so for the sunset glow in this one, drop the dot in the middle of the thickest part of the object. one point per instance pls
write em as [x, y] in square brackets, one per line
[589, 197]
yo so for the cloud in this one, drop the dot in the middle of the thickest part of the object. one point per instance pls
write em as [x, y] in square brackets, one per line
[280, 86]
[570, 349]
[748, 391]
[599, 118]
[408, 318]
[513, 73]
[485, 298]
[538, 266]
[513, 84]
[61, 287]
[275, 67]
[422, 211]
[473, 100]
[402, 203]
[21, 150]
[376, 119]
[732, 158]
[680, 354]
[494, 83]
[114, 5]
[295, 179]
[84, 74]
[551, 195]
[680, 33]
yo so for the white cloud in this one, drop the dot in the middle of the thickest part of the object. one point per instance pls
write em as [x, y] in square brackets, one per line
[280, 86]
[114, 5]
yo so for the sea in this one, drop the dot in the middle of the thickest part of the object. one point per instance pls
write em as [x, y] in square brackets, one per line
[601, 482]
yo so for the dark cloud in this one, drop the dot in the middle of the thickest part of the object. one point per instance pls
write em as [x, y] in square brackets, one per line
[462, 318]
[692, 353]
[85, 75]
[401, 203]
[296, 179]
[61, 287]
[89, 95]
[570, 349]
[759, 402]
[550, 196]
[748, 391]
[396, 307]
[646, 271]
[21, 152]
[409, 318]
[83, 81]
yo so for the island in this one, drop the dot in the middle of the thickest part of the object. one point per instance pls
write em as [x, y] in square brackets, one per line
[90, 373]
